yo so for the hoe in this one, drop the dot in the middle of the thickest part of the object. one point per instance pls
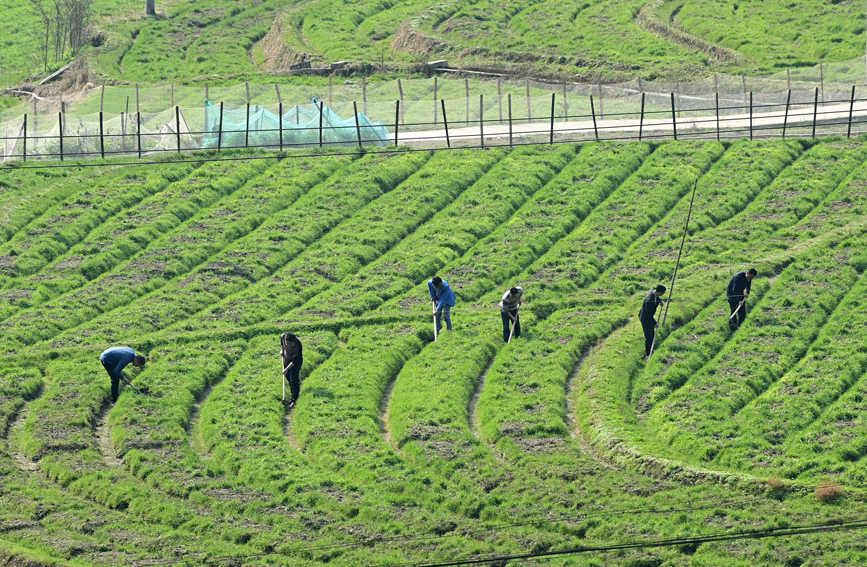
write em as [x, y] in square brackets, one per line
[142, 390]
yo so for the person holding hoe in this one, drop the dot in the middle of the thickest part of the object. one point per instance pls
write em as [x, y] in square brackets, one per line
[737, 292]
[114, 360]
[652, 300]
[443, 299]
[512, 299]
[292, 357]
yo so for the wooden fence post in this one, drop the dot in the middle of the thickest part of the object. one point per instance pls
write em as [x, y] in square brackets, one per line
[435, 101]
[673, 118]
[467, 97]
[446, 123]
[593, 114]
[553, 96]
[601, 109]
[851, 108]
[786, 116]
[529, 111]
[788, 80]
[815, 110]
[641, 119]
[499, 100]
[357, 126]
[822, 81]
[400, 93]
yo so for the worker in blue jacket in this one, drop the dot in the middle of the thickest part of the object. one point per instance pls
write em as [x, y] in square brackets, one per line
[114, 360]
[443, 299]
[737, 292]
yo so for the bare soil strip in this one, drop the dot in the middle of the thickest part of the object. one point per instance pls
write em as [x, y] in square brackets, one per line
[23, 462]
[575, 431]
[472, 416]
[384, 404]
[194, 433]
[102, 436]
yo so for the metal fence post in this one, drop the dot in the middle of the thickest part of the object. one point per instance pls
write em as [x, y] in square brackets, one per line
[280, 122]
[851, 107]
[446, 122]
[553, 95]
[786, 115]
[815, 110]
[593, 114]
[178, 126]
[60, 123]
[751, 115]
[509, 98]
[24, 155]
[482, 119]
[397, 119]
[247, 127]
[641, 119]
[716, 98]
[220, 129]
[321, 106]
[138, 126]
[101, 137]
[357, 126]
[673, 117]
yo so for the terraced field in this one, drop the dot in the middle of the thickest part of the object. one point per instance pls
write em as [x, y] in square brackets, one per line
[407, 450]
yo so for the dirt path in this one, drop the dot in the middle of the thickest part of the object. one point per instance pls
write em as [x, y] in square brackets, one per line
[24, 463]
[384, 404]
[575, 431]
[472, 415]
[289, 434]
[102, 436]
[194, 433]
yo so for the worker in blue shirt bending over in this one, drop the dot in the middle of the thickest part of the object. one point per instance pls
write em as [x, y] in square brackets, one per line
[737, 292]
[114, 360]
[443, 299]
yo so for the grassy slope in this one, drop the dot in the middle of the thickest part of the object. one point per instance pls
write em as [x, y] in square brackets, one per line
[395, 436]
[593, 40]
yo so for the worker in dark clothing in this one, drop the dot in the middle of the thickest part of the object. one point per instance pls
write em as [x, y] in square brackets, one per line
[648, 309]
[737, 292]
[292, 357]
[114, 360]
[512, 299]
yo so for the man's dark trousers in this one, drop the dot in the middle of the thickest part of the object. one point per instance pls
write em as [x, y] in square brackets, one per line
[649, 330]
[294, 382]
[507, 320]
[742, 313]
[115, 382]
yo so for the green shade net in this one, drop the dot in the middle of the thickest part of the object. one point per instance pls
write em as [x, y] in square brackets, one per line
[302, 126]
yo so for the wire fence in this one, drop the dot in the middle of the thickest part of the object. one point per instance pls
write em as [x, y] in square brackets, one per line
[429, 113]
